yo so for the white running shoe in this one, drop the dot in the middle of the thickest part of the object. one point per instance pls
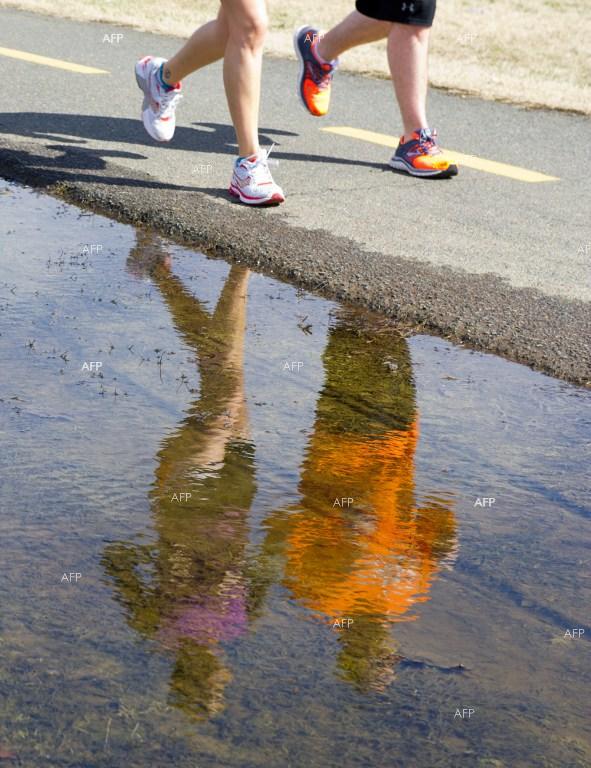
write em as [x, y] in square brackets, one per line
[159, 104]
[252, 182]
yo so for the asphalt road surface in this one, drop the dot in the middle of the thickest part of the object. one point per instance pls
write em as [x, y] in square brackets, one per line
[498, 258]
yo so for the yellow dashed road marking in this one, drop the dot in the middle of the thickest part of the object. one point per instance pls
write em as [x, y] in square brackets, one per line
[469, 161]
[48, 62]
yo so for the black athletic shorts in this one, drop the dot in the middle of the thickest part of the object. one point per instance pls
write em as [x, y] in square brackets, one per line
[419, 12]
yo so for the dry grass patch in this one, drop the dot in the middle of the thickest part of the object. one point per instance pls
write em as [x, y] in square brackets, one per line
[525, 52]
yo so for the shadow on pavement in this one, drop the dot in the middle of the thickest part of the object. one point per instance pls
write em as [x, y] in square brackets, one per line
[216, 138]
[74, 165]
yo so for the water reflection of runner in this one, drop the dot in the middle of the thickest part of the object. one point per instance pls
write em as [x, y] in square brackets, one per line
[373, 560]
[188, 589]
[193, 587]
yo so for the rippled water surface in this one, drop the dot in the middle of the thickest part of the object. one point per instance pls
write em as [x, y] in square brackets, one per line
[243, 526]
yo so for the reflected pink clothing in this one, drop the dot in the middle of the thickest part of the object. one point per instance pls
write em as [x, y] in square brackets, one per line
[207, 621]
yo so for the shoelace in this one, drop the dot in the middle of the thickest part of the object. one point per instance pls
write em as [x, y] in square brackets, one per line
[321, 74]
[169, 101]
[259, 170]
[428, 141]
[268, 152]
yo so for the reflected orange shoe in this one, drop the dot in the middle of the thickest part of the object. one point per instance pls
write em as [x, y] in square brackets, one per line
[421, 155]
[315, 77]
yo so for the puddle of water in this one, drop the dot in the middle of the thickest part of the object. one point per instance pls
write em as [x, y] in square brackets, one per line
[281, 513]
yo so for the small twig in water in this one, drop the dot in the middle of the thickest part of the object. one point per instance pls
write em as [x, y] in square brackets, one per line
[107, 734]
[160, 359]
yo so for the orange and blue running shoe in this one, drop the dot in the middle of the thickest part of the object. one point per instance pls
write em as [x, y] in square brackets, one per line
[421, 155]
[315, 74]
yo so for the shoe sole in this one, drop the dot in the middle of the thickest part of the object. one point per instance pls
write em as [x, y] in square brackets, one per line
[143, 86]
[275, 199]
[401, 165]
[296, 47]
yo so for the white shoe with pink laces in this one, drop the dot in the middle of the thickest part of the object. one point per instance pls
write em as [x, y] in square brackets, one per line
[252, 182]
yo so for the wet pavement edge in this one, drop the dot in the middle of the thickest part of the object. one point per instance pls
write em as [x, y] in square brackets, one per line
[549, 334]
